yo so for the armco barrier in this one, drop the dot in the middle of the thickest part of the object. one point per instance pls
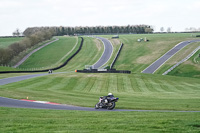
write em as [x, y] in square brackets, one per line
[46, 70]
[105, 71]
[111, 66]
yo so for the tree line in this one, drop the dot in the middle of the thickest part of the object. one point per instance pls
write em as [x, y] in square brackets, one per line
[34, 35]
[7, 54]
[79, 30]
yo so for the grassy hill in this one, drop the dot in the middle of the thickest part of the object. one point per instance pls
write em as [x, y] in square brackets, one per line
[5, 42]
[51, 55]
[134, 86]
[136, 56]
[90, 53]
[135, 91]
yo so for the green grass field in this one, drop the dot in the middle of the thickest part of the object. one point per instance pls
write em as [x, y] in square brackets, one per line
[5, 42]
[3, 68]
[90, 53]
[35, 120]
[135, 91]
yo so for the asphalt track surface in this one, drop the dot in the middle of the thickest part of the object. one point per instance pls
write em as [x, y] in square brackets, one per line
[14, 103]
[20, 78]
[158, 63]
[108, 49]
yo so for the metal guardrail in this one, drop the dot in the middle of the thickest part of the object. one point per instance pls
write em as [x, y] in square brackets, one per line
[183, 60]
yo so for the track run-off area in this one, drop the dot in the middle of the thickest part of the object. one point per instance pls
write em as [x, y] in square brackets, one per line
[7, 102]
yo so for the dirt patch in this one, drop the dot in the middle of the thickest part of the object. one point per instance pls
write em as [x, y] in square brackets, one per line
[157, 51]
[159, 48]
[115, 41]
[146, 59]
[98, 44]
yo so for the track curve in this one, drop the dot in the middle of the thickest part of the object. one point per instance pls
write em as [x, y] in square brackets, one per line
[108, 50]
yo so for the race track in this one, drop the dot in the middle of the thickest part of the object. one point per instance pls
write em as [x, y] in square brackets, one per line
[158, 63]
[8, 102]
[108, 49]
[20, 78]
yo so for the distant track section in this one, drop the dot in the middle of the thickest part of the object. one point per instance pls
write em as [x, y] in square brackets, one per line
[108, 50]
[158, 63]
[183, 60]
[35, 50]
[20, 78]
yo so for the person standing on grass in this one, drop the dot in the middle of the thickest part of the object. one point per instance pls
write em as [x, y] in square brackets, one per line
[50, 71]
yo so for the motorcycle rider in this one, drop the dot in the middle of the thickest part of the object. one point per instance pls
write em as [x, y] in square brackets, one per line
[106, 98]
[107, 102]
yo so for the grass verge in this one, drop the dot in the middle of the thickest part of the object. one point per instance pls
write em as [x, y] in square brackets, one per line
[35, 120]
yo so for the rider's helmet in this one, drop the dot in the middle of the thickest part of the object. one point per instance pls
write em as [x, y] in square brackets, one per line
[110, 94]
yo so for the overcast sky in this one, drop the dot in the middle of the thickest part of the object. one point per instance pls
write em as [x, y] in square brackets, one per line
[177, 14]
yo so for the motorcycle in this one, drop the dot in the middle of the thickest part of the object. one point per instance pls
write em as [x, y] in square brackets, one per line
[106, 103]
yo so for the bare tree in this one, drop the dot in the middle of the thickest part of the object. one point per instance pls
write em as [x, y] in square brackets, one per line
[162, 29]
[169, 29]
[16, 32]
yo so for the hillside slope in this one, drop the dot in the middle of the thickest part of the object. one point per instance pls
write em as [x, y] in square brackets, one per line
[136, 56]
[51, 55]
